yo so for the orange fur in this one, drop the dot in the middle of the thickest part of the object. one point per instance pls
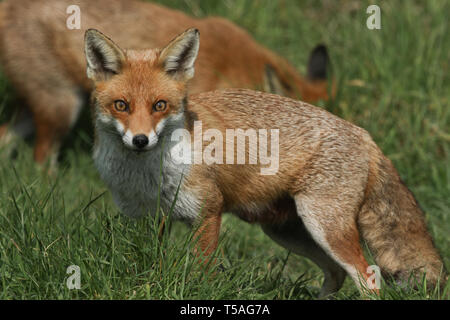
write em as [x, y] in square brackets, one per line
[333, 184]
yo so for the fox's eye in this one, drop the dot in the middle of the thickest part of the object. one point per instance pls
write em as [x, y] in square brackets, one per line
[120, 105]
[161, 105]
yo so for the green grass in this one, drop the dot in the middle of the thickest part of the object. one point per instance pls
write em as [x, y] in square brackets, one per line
[394, 82]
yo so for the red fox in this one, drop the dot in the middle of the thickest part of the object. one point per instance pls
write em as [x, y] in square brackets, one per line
[42, 60]
[331, 186]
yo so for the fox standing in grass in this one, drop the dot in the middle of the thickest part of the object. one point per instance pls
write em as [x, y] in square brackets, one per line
[334, 186]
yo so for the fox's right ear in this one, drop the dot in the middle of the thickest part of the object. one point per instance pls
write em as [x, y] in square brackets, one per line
[179, 56]
[104, 58]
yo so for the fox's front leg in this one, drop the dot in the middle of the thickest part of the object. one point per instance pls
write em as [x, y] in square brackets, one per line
[207, 235]
[208, 230]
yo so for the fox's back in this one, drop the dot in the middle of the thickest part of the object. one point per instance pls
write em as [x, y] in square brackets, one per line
[311, 142]
[248, 109]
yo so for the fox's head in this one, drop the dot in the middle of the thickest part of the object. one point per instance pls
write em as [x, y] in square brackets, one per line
[140, 94]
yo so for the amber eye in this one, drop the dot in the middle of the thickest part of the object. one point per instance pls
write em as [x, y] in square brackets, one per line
[161, 105]
[120, 105]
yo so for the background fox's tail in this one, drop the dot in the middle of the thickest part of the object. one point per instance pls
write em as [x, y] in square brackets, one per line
[394, 227]
[280, 78]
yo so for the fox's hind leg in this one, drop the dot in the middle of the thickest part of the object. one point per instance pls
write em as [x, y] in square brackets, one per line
[293, 235]
[332, 224]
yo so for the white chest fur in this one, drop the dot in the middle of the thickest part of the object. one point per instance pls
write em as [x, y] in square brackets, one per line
[136, 179]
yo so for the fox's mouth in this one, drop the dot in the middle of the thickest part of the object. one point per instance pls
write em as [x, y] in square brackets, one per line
[137, 150]
[140, 151]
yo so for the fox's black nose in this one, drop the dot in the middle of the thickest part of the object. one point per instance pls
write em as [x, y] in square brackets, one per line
[140, 141]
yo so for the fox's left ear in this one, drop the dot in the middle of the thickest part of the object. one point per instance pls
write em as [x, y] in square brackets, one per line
[178, 57]
[104, 58]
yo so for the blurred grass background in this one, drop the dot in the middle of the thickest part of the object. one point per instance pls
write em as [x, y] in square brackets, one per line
[393, 82]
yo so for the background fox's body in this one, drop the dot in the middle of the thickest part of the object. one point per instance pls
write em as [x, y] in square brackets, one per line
[332, 187]
[43, 60]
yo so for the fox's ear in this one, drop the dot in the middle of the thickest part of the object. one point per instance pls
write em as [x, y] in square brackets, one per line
[272, 82]
[104, 58]
[178, 57]
[318, 63]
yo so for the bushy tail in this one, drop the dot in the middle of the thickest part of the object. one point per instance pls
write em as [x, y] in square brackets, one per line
[394, 227]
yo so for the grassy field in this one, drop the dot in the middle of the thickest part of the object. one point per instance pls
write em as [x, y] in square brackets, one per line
[393, 82]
